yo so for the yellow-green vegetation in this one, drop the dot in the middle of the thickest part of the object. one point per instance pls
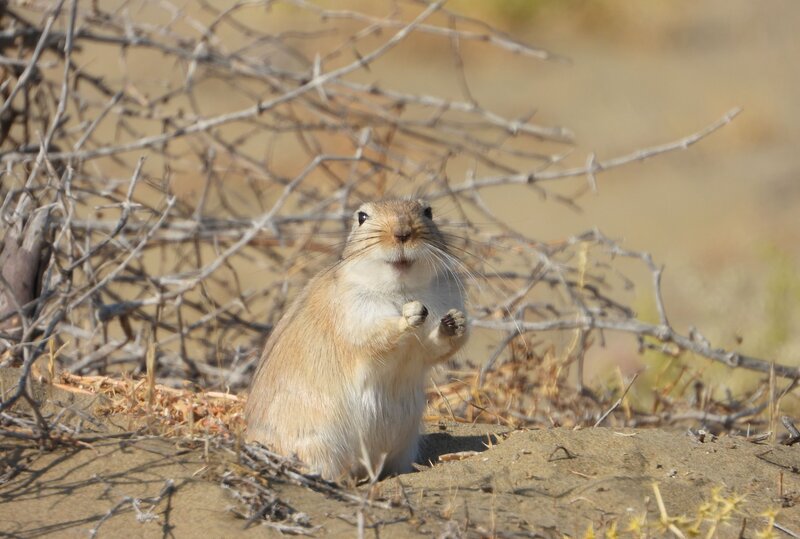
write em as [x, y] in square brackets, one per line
[782, 304]
[717, 514]
[511, 12]
[663, 373]
[672, 374]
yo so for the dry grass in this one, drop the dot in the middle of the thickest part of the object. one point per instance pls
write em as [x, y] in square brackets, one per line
[164, 410]
[535, 390]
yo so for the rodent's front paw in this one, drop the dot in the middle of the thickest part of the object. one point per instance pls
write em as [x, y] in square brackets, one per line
[454, 323]
[415, 313]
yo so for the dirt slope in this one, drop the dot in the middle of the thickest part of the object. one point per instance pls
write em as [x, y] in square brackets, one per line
[544, 482]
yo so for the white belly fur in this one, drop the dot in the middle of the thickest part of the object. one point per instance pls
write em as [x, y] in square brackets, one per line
[387, 398]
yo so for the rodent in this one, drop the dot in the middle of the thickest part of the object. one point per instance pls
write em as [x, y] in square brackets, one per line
[343, 373]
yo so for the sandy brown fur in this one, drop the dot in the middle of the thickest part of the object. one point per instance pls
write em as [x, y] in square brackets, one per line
[342, 376]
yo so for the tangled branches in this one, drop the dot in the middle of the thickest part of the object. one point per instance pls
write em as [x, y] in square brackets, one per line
[175, 174]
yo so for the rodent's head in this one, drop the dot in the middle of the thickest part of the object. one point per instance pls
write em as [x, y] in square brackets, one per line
[396, 241]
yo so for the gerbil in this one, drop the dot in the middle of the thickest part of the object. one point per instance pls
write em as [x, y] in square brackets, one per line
[343, 373]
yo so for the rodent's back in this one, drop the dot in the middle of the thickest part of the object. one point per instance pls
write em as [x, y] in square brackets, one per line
[292, 365]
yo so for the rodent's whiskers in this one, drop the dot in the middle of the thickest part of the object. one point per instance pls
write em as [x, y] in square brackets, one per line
[448, 262]
[472, 275]
[437, 263]
[362, 251]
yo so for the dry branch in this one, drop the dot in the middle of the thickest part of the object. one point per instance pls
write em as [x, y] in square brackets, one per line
[184, 198]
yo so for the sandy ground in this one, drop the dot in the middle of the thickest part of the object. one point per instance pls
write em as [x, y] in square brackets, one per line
[549, 483]
[526, 483]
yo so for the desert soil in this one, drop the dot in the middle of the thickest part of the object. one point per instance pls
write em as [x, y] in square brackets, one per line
[546, 483]
[510, 483]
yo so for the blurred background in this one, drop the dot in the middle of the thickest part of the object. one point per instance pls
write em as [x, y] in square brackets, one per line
[724, 216]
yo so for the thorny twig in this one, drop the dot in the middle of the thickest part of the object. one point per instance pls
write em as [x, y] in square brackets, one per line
[262, 459]
[142, 515]
[794, 433]
[265, 506]
[618, 401]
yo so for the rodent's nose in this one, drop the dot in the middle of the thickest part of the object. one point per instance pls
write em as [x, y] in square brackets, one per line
[402, 235]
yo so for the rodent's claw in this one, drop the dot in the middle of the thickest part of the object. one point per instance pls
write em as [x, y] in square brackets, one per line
[454, 323]
[415, 313]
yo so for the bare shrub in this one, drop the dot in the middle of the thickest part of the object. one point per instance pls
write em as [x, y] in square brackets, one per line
[196, 164]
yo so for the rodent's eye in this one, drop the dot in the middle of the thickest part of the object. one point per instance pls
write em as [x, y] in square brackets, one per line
[428, 212]
[362, 217]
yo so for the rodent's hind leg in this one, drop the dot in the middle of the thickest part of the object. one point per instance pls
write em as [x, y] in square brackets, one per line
[401, 462]
[448, 336]
[324, 457]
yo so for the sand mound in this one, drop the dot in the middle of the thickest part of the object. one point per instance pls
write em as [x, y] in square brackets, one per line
[484, 480]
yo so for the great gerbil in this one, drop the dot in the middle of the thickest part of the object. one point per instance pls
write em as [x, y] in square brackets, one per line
[343, 374]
